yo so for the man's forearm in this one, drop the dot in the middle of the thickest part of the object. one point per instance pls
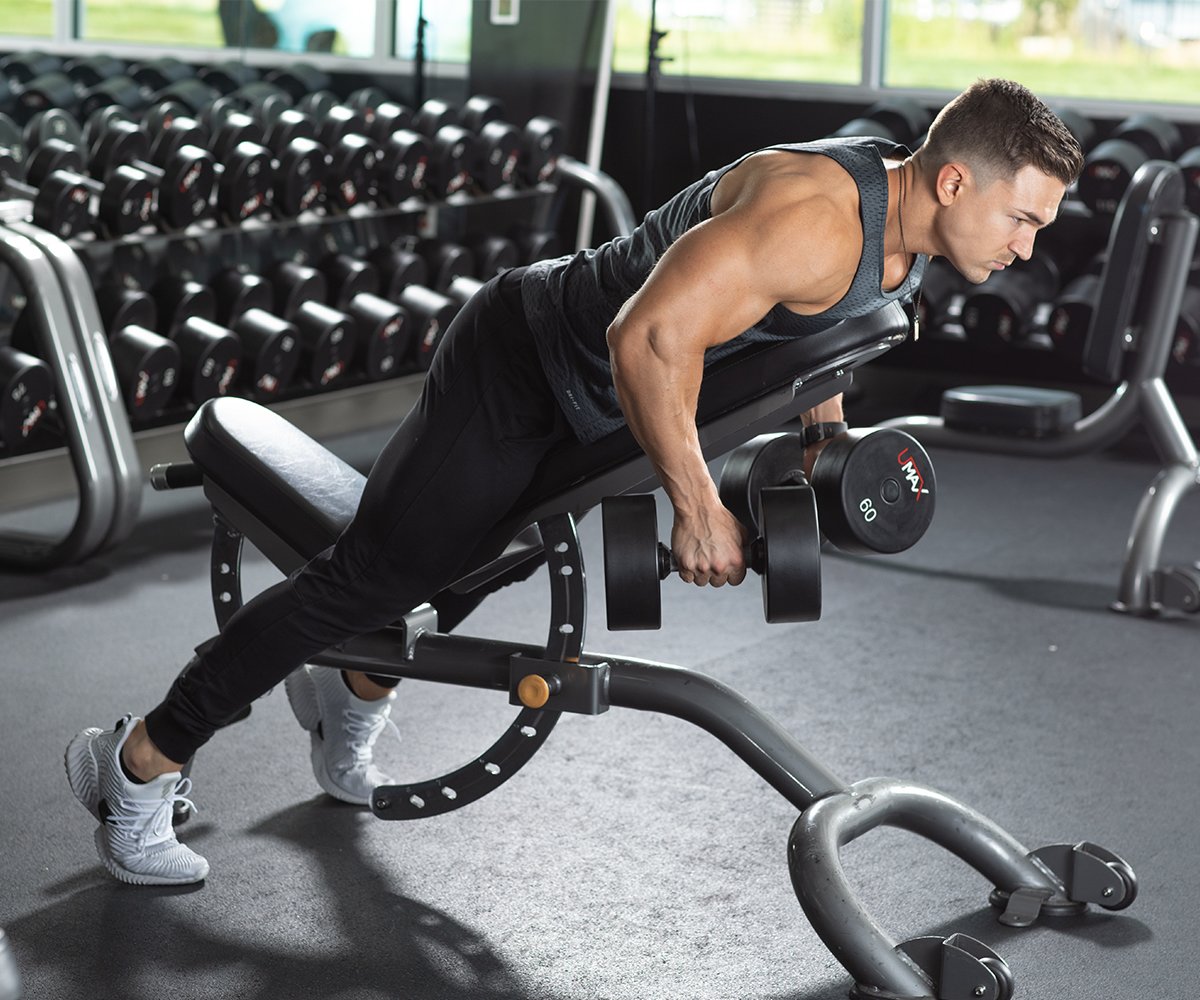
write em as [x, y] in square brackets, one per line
[658, 398]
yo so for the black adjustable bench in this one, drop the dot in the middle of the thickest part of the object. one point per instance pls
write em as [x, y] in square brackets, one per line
[270, 483]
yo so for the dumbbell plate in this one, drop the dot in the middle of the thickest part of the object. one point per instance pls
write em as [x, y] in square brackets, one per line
[791, 554]
[875, 490]
[767, 460]
[632, 581]
[26, 385]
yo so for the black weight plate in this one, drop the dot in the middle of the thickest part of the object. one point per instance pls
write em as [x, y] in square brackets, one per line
[499, 155]
[11, 138]
[450, 163]
[245, 184]
[300, 178]
[351, 168]
[384, 335]
[186, 187]
[317, 105]
[433, 313]
[61, 206]
[147, 368]
[767, 460]
[326, 342]
[127, 201]
[403, 165]
[271, 347]
[791, 554]
[875, 490]
[55, 123]
[26, 385]
[543, 142]
[478, 111]
[211, 355]
[632, 586]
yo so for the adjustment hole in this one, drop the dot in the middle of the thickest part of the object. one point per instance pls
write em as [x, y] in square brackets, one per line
[561, 547]
[566, 628]
[225, 568]
[417, 801]
[450, 793]
[528, 731]
[567, 570]
[491, 768]
[226, 597]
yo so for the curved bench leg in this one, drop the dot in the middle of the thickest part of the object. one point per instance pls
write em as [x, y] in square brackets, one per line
[878, 966]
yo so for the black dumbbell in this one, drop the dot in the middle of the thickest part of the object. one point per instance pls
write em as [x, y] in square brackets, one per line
[786, 554]
[299, 79]
[405, 278]
[445, 262]
[21, 67]
[146, 363]
[1189, 162]
[270, 343]
[60, 203]
[898, 119]
[1012, 302]
[498, 143]
[346, 277]
[54, 123]
[158, 74]
[537, 244]
[494, 254]
[1071, 318]
[244, 169]
[543, 141]
[384, 334]
[1108, 169]
[462, 289]
[211, 353]
[26, 393]
[939, 306]
[875, 489]
[452, 148]
[1185, 350]
[125, 198]
[326, 335]
[184, 173]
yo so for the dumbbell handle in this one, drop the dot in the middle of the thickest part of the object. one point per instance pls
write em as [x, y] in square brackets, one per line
[668, 564]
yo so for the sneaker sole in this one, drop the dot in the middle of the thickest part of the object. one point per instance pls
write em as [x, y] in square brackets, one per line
[133, 878]
[83, 770]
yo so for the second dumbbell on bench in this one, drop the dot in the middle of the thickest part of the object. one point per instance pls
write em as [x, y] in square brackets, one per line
[875, 488]
[786, 554]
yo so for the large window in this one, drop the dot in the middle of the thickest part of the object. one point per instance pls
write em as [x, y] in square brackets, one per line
[784, 40]
[27, 17]
[1135, 50]
[447, 30]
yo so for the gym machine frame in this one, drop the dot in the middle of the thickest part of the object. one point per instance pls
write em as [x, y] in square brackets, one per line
[1150, 249]
[261, 476]
[65, 321]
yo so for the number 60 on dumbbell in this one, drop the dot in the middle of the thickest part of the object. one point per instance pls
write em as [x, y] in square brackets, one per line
[870, 491]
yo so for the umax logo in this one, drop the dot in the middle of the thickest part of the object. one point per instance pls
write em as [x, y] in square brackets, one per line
[908, 466]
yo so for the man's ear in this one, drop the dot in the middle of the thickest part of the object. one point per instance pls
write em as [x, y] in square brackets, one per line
[952, 178]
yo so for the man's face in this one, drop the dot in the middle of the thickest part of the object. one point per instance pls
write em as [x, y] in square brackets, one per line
[984, 226]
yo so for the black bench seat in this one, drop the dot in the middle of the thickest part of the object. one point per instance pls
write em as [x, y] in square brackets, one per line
[291, 497]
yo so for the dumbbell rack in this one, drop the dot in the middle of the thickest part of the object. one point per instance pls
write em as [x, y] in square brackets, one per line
[1149, 254]
[104, 459]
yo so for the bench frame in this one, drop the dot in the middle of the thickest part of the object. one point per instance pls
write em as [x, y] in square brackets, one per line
[832, 812]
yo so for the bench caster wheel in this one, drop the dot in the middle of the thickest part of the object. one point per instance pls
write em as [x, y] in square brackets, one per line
[1005, 982]
[1125, 873]
[957, 967]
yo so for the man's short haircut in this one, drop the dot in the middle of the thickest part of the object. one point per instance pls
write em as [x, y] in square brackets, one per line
[997, 127]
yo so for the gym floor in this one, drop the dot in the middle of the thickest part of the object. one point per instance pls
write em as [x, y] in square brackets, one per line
[635, 856]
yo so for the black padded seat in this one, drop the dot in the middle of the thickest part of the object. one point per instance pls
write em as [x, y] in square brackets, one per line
[303, 496]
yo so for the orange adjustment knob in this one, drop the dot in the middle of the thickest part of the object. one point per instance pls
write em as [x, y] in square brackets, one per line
[533, 690]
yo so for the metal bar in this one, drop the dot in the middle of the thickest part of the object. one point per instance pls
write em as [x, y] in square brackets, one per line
[814, 860]
[612, 196]
[595, 153]
[90, 460]
[89, 332]
[758, 739]
[1136, 593]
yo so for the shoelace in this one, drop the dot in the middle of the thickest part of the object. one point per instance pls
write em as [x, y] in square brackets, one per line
[150, 822]
[362, 730]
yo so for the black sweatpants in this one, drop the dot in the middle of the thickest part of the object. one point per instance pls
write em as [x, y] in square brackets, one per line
[451, 472]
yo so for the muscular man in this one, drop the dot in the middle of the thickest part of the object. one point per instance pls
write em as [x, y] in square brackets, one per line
[785, 242]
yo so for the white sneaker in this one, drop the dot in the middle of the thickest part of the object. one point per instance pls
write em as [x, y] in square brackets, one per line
[344, 729]
[135, 839]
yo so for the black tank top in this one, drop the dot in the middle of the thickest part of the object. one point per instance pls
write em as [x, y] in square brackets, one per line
[571, 301]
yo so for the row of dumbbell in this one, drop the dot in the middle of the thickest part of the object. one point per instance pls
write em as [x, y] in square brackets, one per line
[270, 145]
[1028, 305]
[294, 325]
